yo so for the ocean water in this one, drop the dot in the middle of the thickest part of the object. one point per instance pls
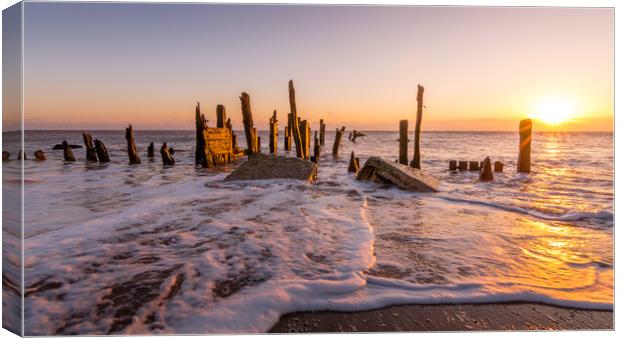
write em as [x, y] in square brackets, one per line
[113, 248]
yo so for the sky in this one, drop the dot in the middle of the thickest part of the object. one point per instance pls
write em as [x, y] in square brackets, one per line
[103, 66]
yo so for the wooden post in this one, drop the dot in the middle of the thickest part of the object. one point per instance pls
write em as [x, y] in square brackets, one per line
[474, 166]
[418, 124]
[317, 148]
[257, 140]
[498, 167]
[102, 151]
[248, 124]
[337, 138]
[39, 155]
[354, 166]
[462, 165]
[6, 156]
[67, 152]
[151, 150]
[304, 131]
[21, 155]
[221, 116]
[322, 132]
[91, 154]
[486, 172]
[452, 165]
[403, 142]
[166, 157]
[201, 155]
[287, 138]
[525, 146]
[273, 134]
[132, 152]
[295, 124]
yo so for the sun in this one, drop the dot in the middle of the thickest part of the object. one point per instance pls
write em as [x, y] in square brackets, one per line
[554, 111]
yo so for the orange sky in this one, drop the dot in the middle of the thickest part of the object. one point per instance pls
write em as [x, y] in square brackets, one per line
[102, 66]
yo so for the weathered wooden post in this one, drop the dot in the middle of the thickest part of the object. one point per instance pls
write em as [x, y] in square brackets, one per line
[221, 116]
[287, 138]
[39, 155]
[132, 151]
[6, 156]
[201, 154]
[248, 124]
[91, 154]
[337, 138]
[150, 151]
[498, 167]
[102, 151]
[462, 165]
[322, 132]
[273, 133]
[354, 165]
[295, 120]
[317, 148]
[166, 157]
[452, 165]
[304, 131]
[67, 152]
[486, 173]
[474, 166]
[418, 124]
[403, 142]
[258, 145]
[525, 146]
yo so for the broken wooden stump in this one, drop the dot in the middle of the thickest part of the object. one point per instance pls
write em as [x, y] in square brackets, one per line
[452, 165]
[415, 163]
[132, 151]
[39, 155]
[486, 173]
[91, 154]
[498, 167]
[317, 148]
[321, 132]
[201, 153]
[59, 146]
[525, 146]
[474, 166]
[248, 124]
[295, 121]
[273, 133]
[337, 139]
[463, 165]
[403, 176]
[403, 142]
[150, 151]
[304, 132]
[102, 151]
[171, 151]
[354, 164]
[262, 167]
[220, 111]
[353, 136]
[166, 157]
[6, 156]
[67, 152]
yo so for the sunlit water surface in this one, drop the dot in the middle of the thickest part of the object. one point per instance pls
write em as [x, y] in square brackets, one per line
[113, 248]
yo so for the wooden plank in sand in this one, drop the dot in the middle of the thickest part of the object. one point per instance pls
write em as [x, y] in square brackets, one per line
[91, 154]
[418, 124]
[525, 146]
[132, 152]
[403, 142]
[295, 119]
[273, 133]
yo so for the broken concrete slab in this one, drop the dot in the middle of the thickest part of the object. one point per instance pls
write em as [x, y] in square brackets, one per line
[263, 167]
[405, 177]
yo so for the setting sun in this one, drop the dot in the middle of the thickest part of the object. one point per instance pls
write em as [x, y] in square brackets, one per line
[554, 110]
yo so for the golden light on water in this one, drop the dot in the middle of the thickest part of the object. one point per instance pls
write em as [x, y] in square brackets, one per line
[554, 111]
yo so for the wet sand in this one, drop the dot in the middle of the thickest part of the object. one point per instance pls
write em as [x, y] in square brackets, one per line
[465, 317]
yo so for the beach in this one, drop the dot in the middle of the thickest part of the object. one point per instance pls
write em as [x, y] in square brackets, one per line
[461, 317]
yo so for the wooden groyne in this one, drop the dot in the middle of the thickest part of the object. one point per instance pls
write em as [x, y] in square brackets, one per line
[418, 125]
[525, 146]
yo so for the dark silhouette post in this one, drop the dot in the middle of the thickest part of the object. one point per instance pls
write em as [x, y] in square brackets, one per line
[132, 152]
[403, 142]
[418, 124]
[525, 146]
[248, 124]
[295, 120]
[91, 154]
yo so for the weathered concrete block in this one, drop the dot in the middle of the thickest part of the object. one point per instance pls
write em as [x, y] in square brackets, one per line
[263, 167]
[403, 176]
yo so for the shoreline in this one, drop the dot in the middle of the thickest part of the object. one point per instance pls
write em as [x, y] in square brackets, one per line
[516, 316]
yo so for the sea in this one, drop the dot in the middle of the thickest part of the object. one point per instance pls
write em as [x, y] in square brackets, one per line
[144, 249]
